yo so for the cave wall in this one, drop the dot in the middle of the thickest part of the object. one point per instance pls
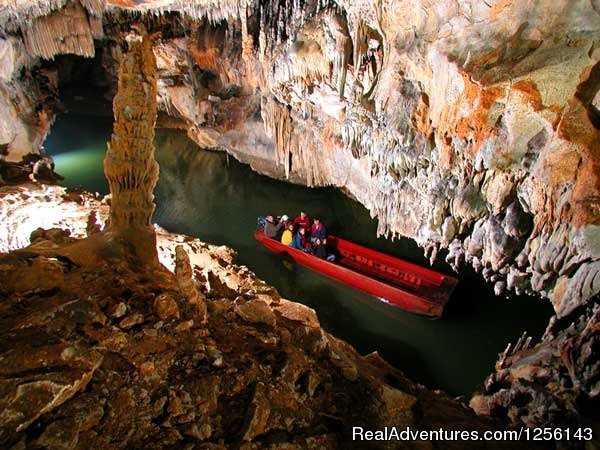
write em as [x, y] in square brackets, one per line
[30, 31]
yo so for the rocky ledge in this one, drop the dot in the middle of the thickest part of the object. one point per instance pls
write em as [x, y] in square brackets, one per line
[100, 352]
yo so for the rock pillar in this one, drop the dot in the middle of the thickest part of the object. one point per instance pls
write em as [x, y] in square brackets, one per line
[129, 165]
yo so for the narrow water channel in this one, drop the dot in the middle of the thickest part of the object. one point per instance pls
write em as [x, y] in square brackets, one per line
[217, 199]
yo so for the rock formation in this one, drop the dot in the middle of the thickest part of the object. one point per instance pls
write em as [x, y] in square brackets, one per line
[129, 165]
[108, 355]
[553, 382]
[185, 280]
[483, 115]
[470, 126]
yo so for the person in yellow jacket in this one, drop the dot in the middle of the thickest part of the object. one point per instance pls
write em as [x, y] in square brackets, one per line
[288, 235]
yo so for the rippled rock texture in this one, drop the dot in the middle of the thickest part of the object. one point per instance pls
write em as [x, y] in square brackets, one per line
[470, 126]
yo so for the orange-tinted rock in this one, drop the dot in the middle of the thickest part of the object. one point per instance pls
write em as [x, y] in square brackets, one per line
[256, 311]
[166, 307]
[129, 165]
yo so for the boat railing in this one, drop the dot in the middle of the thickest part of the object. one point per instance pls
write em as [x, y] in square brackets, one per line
[394, 268]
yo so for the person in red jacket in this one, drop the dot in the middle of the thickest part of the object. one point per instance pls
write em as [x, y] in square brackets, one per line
[302, 221]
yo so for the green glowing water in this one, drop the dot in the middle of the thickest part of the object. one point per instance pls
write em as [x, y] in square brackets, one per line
[205, 194]
[78, 143]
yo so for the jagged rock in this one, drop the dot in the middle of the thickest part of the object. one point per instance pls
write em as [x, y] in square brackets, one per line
[118, 310]
[59, 435]
[54, 235]
[259, 415]
[256, 311]
[93, 227]
[151, 384]
[56, 373]
[542, 383]
[131, 321]
[166, 307]
[516, 222]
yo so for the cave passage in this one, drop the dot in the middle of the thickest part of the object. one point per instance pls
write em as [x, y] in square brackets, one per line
[217, 199]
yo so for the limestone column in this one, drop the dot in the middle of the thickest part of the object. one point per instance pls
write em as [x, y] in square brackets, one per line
[129, 165]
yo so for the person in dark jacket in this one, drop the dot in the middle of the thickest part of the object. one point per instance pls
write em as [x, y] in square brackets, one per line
[300, 242]
[319, 249]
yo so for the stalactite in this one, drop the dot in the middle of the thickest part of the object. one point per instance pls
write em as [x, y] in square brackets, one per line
[129, 165]
[295, 142]
[68, 30]
[14, 14]
[278, 125]
[361, 43]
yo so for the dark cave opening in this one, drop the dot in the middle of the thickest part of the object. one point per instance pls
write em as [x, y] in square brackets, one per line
[86, 85]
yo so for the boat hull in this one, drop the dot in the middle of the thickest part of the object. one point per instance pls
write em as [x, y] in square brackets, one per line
[400, 283]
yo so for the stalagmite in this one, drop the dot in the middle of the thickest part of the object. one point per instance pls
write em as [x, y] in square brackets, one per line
[129, 165]
[184, 275]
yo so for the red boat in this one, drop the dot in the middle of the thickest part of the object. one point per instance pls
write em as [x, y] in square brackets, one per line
[393, 280]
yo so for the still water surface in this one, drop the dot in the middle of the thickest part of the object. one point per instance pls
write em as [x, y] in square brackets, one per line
[217, 199]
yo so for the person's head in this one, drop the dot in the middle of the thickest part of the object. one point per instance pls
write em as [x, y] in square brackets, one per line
[269, 219]
[301, 231]
[291, 227]
[302, 214]
[316, 220]
[285, 218]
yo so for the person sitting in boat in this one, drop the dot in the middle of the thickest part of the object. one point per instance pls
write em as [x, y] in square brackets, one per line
[302, 221]
[320, 250]
[272, 228]
[288, 235]
[300, 241]
[284, 221]
[318, 230]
